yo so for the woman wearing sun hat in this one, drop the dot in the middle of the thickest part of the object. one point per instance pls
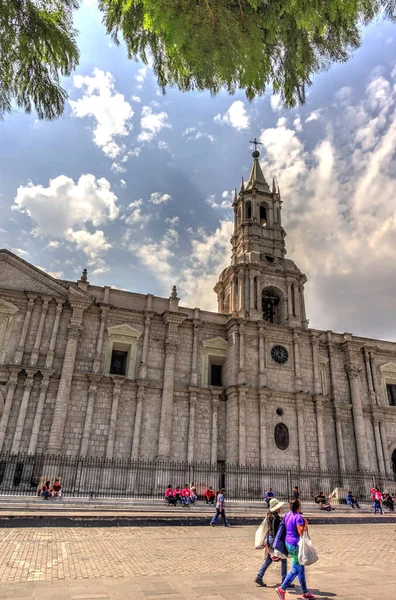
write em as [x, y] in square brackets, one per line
[273, 521]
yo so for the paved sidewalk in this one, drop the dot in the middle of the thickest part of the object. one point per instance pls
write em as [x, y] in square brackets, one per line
[173, 563]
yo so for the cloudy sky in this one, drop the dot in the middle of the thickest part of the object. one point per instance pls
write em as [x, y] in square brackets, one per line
[136, 186]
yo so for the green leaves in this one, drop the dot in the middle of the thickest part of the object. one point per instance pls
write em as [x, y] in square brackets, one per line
[241, 44]
[193, 44]
[37, 46]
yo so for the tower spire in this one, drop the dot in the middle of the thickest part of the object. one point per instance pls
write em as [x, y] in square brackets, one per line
[256, 178]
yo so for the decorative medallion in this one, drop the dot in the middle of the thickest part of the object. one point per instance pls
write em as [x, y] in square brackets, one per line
[281, 434]
[279, 354]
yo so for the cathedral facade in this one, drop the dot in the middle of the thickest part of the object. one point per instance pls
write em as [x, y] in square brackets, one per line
[99, 372]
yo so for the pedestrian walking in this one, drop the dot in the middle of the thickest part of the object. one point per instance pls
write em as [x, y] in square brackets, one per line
[273, 521]
[377, 501]
[295, 527]
[220, 502]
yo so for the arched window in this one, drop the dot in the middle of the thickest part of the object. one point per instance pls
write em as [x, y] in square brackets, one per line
[248, 210]
[270, 303]
[263, 216]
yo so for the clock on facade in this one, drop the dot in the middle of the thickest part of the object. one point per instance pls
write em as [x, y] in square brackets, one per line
[279, 354]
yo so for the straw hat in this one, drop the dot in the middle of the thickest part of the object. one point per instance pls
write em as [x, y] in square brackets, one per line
[274, 504]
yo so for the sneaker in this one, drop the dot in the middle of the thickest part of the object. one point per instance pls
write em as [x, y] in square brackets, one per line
[260, 582]
[308, 596]
[281, 593]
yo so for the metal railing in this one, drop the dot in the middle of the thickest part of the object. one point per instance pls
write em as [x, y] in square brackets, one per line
[24, 475]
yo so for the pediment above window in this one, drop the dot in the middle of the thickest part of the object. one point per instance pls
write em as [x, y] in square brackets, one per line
[217, 343]
[124, 330]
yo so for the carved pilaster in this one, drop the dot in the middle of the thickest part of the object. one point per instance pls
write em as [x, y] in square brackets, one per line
[27, 388]
[104, 311]
[12, 384]
[262, 378]
[215, 413]
[93, 388]
[191, 424]
[37, 342]
[137, 428]
[118, 383]
[301, 431]
[297, 366]
[242, 426]
[25, 327]
[358, 417]
[194, 359]
[320, 433]
[45, 381]
[51, 349]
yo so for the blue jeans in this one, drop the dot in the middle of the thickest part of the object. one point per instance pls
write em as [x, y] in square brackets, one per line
[216, 516]
[268, 562]
[377, 505]
[297, 570]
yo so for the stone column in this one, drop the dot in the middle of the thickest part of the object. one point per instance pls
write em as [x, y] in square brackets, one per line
[51, 349]
[37, 342]
[263, 398]
[368, 376]
[297, 301]
[321, 434]
[301, 431]
[331, 365]
[242, 426]
[315, 362]
[241, 372]
[165, 432]
[259, 296]
[340, 440]
[378, 444]
[241, 290]
[385, 451]
[137, 428]
[194, 359]
[191, 424]
[262, 378]
[12, 383]
[99, 342]
[46, 375]
[118, 381]
[302, 302]
[25, 327]
[215, 413]
[252, 293]
[148, 315]
[297, 366]
[358, 417]
[62, 399]
[27, 388]
[93, 387]
[289, 284]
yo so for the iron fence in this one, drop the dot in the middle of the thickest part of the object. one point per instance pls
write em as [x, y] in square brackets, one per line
[24, 475]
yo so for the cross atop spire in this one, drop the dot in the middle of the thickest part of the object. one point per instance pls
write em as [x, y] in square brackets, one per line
[256, 153]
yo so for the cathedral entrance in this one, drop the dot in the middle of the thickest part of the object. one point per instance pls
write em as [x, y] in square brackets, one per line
[394, 463]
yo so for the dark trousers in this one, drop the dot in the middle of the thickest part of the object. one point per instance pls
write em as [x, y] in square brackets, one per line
[268, 562]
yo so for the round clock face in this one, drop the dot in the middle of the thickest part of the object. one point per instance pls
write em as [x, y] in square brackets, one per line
[279, 354]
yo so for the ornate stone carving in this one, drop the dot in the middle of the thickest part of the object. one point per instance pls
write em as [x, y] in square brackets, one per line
[281, 434]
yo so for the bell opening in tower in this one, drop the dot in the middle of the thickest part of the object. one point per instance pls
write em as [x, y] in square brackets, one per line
[269, 307]
[263, 216]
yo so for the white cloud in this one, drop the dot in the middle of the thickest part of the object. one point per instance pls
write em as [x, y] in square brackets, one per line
[20, 252]
[163, 145]
[123, 183]
[276, 102]
[93, 244]
[189, 130]
[109, 108]
[158, 198]
[54, 274]
[136, 99]
[297, 124]
[236, 116]
[314, 116]
[136, 217]
[201, 134]
[151, 124]
[61, 209]
[53, 244]
[117, 168]
[225, 202]
[172, 220]
[100, 267]
[140, 77]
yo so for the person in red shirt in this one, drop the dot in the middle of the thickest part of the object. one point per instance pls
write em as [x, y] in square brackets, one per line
[210, 496]
[177, 495]
[169, 497]
[56, 489]
[186, 495]
[46, 490]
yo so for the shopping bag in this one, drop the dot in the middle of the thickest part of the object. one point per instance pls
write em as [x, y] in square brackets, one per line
[280, 539]
[260, 537]
[278, 555]
[306, 552]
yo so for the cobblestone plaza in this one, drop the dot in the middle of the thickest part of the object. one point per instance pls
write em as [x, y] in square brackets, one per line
[355, 562]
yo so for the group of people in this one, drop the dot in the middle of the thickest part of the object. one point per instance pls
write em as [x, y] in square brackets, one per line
[51, 491]
[295, 525]
[188, 495]
[381, 499]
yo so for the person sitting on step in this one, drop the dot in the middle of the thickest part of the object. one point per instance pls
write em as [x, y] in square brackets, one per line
[169, 497]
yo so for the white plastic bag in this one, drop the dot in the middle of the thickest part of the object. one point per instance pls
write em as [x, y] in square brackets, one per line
[278, 554]
[306, 552]
[260, 536]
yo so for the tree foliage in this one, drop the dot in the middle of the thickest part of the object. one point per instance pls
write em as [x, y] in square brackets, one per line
[37, 46]
[241, 44]
[193, 44]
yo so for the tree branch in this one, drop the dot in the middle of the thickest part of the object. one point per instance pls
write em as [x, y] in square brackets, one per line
[211, 11]
[241, 10]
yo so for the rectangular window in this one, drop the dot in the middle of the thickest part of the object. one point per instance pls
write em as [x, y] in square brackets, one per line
[391, 391]
[216, 375]
[118, 362]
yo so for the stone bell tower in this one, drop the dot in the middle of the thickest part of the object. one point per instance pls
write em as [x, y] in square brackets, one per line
[261, 283]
